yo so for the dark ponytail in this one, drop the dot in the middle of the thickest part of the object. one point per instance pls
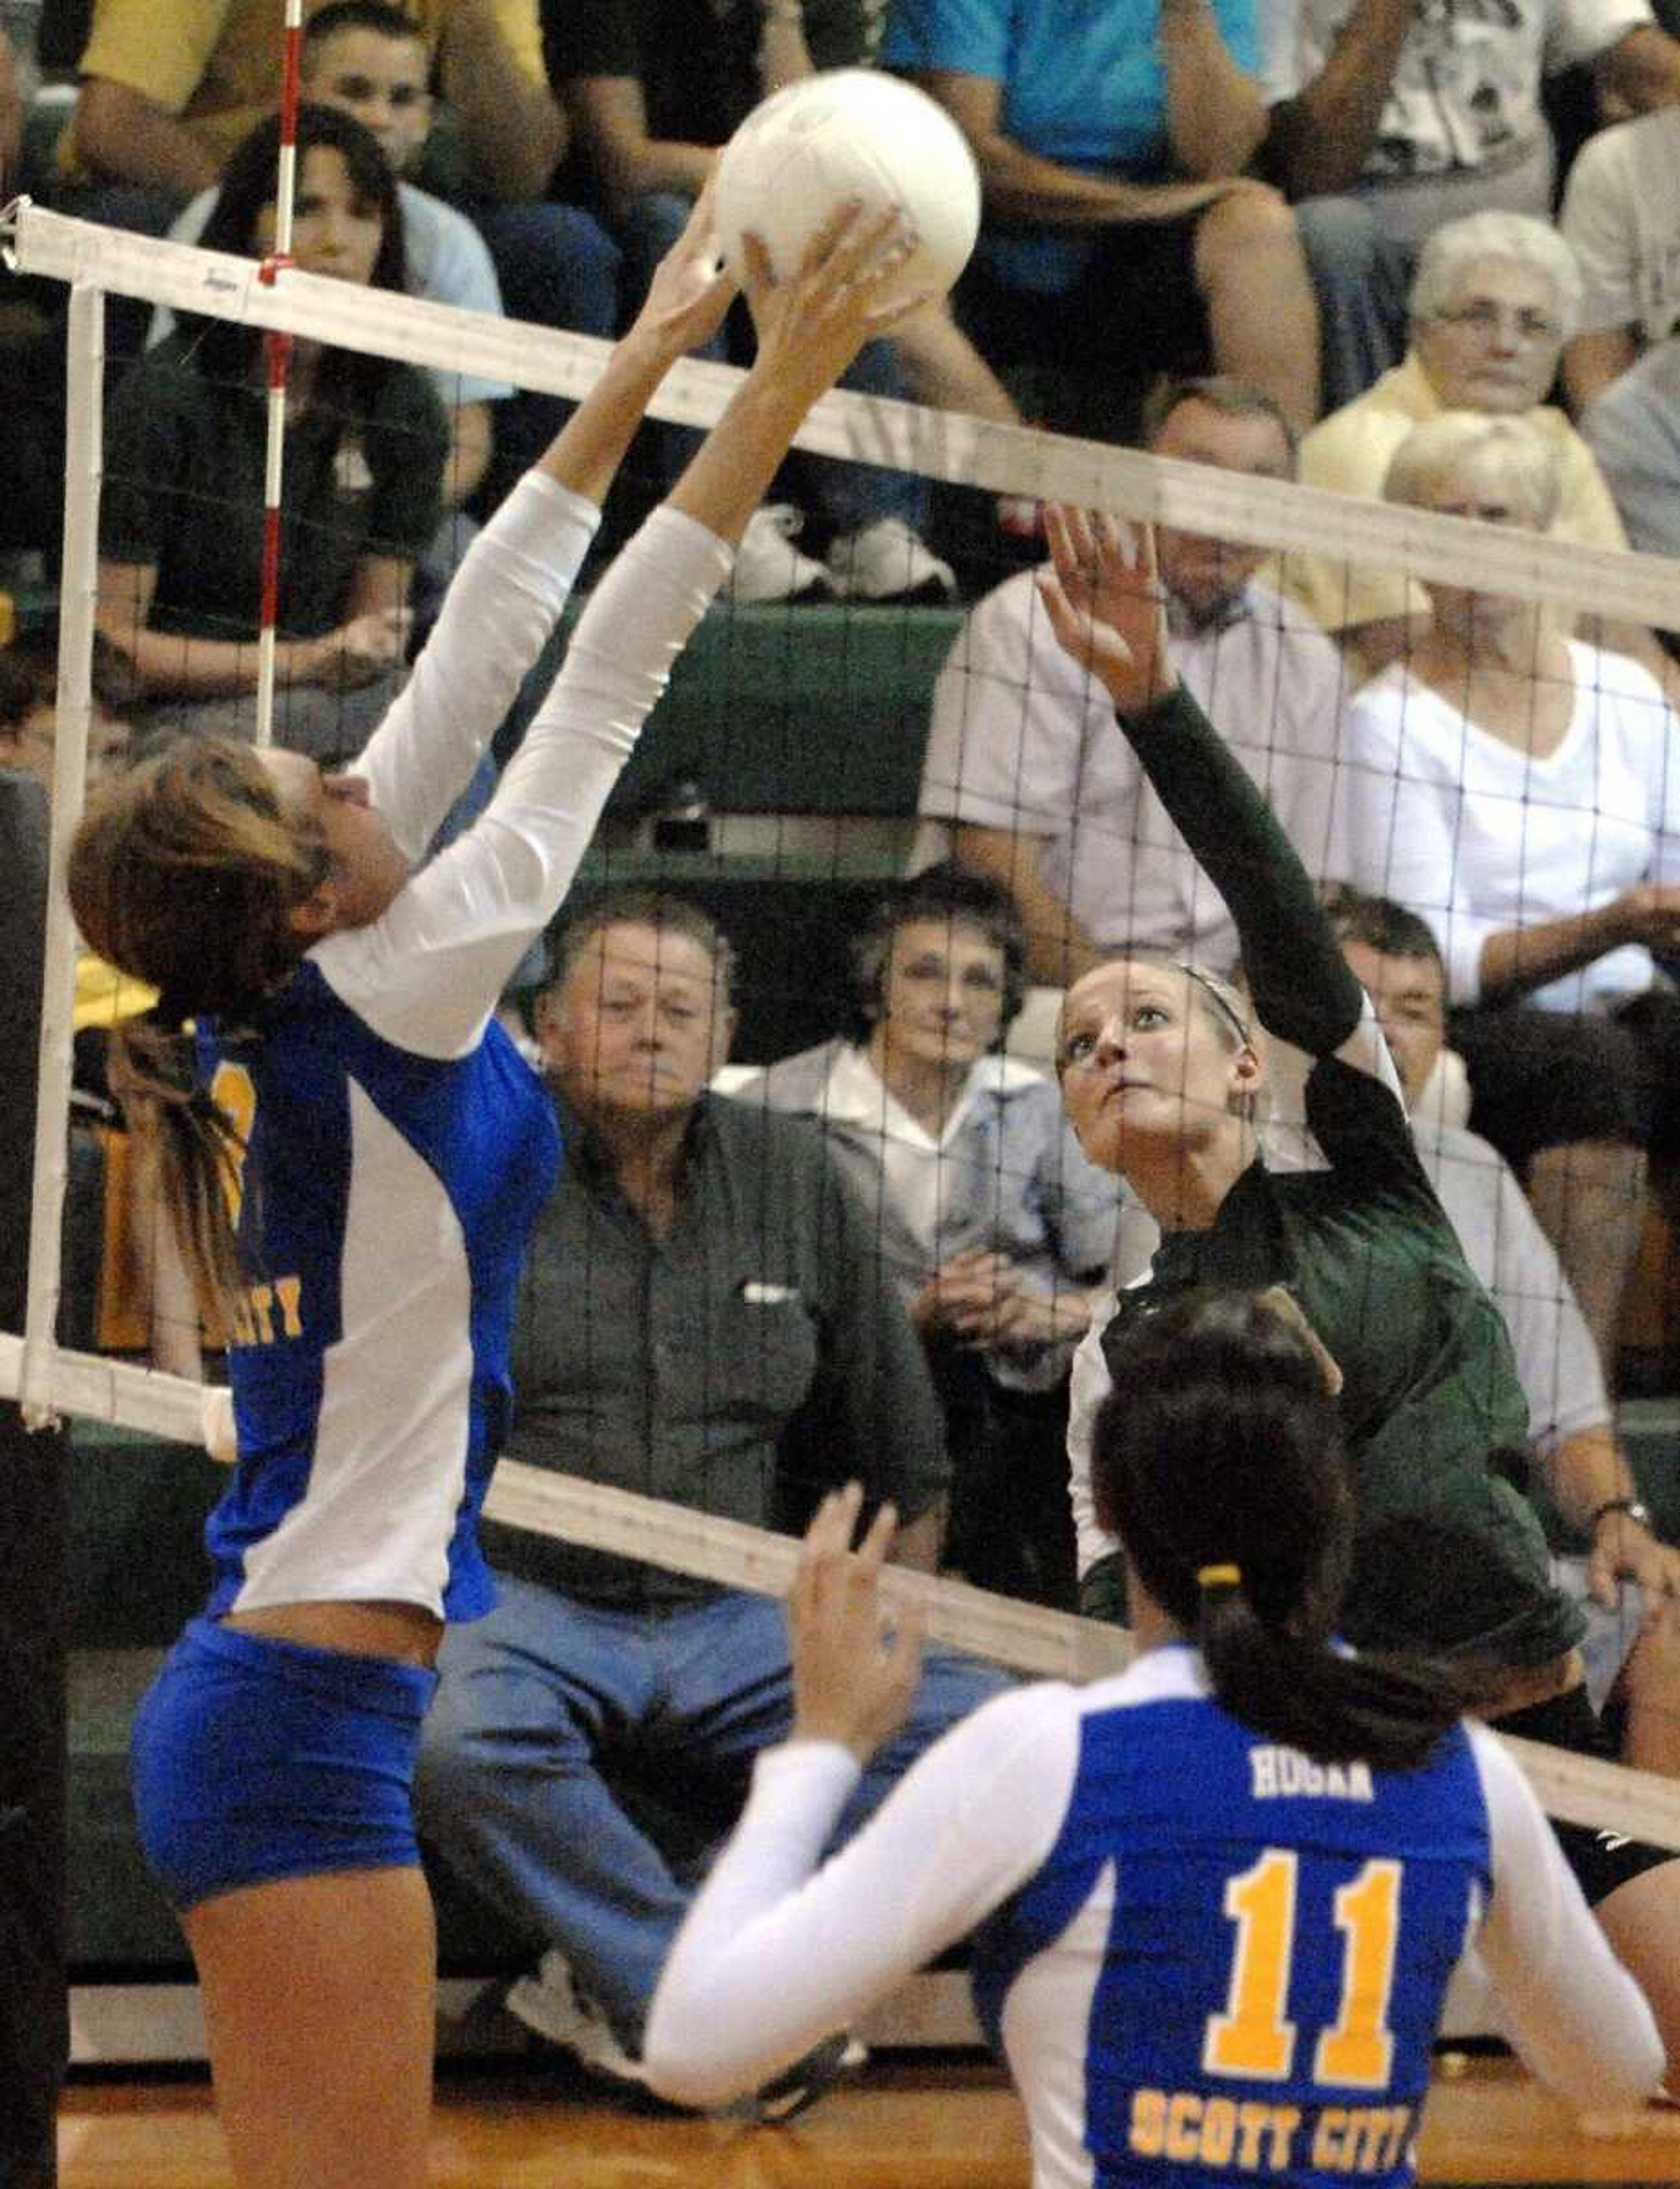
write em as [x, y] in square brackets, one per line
[1216, 1459]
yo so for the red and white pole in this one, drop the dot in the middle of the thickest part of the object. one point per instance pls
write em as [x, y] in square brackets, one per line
[277, 351]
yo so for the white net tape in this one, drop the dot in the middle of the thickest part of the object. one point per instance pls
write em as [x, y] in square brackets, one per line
[1049, 1644]
[53, 1380]
[1014, 461]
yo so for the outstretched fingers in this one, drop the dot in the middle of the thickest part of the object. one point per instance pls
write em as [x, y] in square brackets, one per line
[1094, 551]
[691, 290]
[855, 1665]
[841, 244]
[1104, 601]
[841, 291]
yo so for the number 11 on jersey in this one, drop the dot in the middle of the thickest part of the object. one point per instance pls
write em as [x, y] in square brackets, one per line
[1253, 2038]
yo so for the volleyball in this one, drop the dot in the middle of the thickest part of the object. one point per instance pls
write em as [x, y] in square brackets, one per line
[850, 133]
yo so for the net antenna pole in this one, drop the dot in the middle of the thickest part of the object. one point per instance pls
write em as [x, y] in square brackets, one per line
[78, 608]
[277, 353]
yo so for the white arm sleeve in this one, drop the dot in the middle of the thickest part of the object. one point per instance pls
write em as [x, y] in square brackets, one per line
[1572, 2011]
[496, 618]
[426, 974]
[771, 1958]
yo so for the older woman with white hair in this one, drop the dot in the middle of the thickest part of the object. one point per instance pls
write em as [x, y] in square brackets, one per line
[1517, 788]
[1495, 298]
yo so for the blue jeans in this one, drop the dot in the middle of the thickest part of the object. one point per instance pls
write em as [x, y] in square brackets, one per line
[846, 496]
[556, 267]
[548, 1707]
[1361, 278]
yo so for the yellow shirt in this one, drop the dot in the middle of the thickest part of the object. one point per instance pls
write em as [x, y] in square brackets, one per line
[1350, 453]
[215, 63]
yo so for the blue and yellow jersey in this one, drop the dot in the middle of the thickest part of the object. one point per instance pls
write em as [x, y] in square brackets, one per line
[1265, 1941]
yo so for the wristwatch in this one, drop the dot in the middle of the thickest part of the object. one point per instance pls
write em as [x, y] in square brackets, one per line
[1635, 1507]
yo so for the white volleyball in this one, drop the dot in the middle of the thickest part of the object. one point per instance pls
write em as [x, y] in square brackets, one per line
[850, 133]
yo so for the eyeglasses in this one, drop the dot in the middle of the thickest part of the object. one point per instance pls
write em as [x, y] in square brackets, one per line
[1482, 316]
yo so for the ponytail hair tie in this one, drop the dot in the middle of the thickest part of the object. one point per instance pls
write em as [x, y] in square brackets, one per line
[1219, 1576]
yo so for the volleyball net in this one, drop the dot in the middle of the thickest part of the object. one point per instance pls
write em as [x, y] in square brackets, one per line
[828, 709]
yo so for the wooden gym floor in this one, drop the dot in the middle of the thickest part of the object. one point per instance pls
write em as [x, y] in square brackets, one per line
[904, 2124]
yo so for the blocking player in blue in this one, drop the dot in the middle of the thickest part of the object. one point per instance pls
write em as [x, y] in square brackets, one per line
[1217, 1896]
[354, 1154]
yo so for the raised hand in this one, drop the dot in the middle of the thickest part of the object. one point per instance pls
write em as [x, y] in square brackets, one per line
[691, 290]
[1106, 604]
[813, 323]
[855, 1670]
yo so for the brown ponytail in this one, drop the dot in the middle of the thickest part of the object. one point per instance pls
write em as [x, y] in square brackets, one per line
[183, 873]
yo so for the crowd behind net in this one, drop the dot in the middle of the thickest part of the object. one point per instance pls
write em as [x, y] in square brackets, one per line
[777, 786]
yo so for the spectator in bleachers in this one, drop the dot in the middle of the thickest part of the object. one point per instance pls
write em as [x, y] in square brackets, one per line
[181, 518]
[996, 1227]
[29, 732]
[166, 96]
[1633, 429]
[703, 1318]
[1390, 119]
[1621, 217]
[369, 60]
[11, 116]
[652, 87]
[1023, 766]
[1496, 296]
[1602, 1533]
[1518, 789]
[167, 93]
[1119, 234]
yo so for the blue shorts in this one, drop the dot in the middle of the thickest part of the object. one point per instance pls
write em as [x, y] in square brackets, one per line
[256, 1759]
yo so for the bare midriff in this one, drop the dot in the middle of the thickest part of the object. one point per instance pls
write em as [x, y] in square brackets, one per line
[404, 1632]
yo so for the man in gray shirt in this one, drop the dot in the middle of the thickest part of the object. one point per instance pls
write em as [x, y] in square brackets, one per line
[704, 1319]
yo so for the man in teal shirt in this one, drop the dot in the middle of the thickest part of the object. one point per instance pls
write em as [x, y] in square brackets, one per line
[1111, 143]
